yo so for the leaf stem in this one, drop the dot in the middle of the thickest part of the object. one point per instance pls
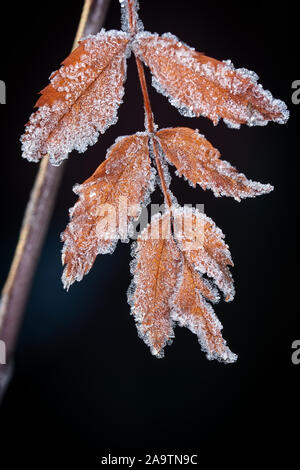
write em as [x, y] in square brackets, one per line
[36, 219]
[149, 119]
[131, 16]
[150, 126]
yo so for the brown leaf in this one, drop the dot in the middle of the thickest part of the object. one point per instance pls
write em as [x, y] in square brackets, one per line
[108, 202]
[203, 245]
[155, 271]
[81, 101]
[199, 162]
[192, 311]
[200, 85]
[167, 287]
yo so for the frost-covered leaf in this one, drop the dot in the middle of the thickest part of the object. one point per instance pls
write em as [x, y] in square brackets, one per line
[199, 162]
[200, 85]
[192, 311]
[169, 287]
[81, 100]
[108, 203]
[156, 267]
[206, 252]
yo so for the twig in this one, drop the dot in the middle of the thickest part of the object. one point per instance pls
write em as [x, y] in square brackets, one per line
[35, 223]
[151, 128]
[147, 105]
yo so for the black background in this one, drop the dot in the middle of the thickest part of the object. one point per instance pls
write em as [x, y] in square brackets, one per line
[84, 382]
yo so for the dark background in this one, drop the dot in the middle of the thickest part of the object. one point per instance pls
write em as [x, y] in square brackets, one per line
[84, 382]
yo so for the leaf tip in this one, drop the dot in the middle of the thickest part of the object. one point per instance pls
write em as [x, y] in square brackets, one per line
[228, 357]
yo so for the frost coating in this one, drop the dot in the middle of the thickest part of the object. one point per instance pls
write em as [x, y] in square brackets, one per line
[84, 94]
[164, 167]
[191, 310]
[210, 254]
[155, 268]
[199, 163]
[108, 204]
[189, 307]
[170, 284]
[167, 289]
[199, 85]
[81, 101]
[125, 16]
[198, 326]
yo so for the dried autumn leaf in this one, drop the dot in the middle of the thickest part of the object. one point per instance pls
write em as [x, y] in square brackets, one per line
[108, 202]
[167, 288]
[199, 162]
[155, 269]
[206, 251]
[178, 251]
[200, 85]
[192, 311]
[81, 100]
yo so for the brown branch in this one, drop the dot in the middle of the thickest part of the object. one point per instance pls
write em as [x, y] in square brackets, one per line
[150, 126]
[132, 17]
[35, 223]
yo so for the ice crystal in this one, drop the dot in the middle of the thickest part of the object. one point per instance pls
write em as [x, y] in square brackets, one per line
[199, 85]
[81, 100]
[189, 309]
[180, 260]
[155, 269]
[167, 289]
[199, 162]
[108, 203]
